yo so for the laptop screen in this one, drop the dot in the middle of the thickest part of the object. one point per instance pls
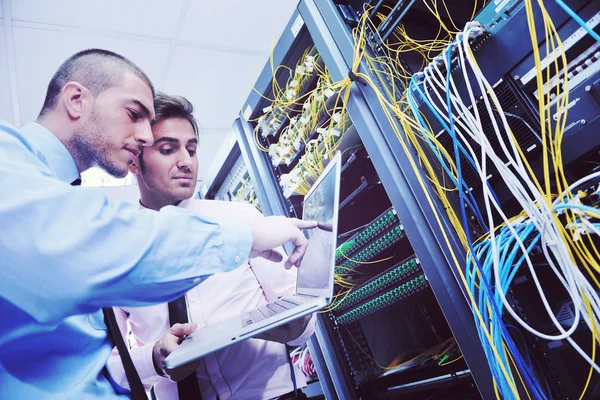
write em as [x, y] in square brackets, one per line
[319, 205]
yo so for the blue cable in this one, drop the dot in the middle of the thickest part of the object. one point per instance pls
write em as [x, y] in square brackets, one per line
[471, 201]
[447, 128]
[498, 315]
[578, 19]
[509, 268]
[497, 337]
[578, 206]
[441, 120]
[527, 353]
[499, 378]
[505, 241]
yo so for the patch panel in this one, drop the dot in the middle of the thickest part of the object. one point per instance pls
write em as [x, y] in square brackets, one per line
[302, 79]
[358, 335]
[392, 277]
[494, 18]
[332, 127]
[320, 104]
[316, 156]
[370, 232]
[356, 350]
[377, 247]
[383, 301]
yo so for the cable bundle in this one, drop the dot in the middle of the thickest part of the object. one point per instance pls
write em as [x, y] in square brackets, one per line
[302, 359]
[494, 262]
[553, 220]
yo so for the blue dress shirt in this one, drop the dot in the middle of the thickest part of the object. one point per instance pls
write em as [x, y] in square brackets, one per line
[67, 251]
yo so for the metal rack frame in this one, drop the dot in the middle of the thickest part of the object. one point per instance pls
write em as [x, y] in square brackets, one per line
[334, 43]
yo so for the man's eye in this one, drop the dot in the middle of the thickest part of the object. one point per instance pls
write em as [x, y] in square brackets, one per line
[192, 152]
[134, 115]
[166, 151]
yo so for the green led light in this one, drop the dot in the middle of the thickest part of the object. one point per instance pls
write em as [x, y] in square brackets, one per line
[380, 284]
[380, 224]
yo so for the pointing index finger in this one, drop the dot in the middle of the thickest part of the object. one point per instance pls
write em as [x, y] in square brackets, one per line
[302, 224]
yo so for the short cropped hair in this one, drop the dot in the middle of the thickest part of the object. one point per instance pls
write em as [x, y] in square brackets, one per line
[167, 107]
[96, 69]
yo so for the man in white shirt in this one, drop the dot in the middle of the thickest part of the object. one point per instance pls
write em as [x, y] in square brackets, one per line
[254, 369]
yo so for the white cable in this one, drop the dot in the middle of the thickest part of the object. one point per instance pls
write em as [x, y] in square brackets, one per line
[487, 198]
[559, 241]
[591, 227]
[483, 176]
[541, 216]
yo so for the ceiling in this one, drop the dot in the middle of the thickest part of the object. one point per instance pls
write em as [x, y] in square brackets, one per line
[208, 51]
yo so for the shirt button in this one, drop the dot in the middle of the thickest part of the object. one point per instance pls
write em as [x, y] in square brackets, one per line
[216, 377]
[237, 259]
[196, 280]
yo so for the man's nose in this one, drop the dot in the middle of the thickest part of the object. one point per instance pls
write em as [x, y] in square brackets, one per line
[185, 159]
[143, 135]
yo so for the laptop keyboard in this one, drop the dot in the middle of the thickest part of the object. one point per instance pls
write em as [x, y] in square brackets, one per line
[268, 310]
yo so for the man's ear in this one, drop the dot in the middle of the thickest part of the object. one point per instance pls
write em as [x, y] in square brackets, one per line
[75, 98]
[133, 168]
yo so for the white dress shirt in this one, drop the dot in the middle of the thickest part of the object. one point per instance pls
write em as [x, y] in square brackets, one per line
[253, 369]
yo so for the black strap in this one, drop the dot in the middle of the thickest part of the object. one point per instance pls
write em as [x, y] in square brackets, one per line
[114, 333]
[354, 78]
[292, 372]
[188, 387]
[135, 383]
[297, 395]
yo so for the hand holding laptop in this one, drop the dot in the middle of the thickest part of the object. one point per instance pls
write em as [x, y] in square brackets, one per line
[178, 332]
[165, 346]
[267, 233]
[314, 289]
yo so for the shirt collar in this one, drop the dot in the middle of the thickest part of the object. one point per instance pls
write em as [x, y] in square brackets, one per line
[182, 204]
[51, 151]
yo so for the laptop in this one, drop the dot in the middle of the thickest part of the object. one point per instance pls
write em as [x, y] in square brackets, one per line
[314, 287]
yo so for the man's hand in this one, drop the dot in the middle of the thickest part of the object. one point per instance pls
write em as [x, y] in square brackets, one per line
[287, 332]
[272, 232]
[165, 346]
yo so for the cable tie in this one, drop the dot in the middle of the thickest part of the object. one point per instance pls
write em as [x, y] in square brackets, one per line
[355, 78]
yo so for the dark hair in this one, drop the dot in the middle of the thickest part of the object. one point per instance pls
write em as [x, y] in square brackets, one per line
[167, 107]
[96, 69]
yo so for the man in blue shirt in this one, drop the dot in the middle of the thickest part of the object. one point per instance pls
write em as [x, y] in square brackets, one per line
[65, 252]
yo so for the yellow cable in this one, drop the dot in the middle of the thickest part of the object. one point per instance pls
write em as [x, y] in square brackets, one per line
[450, 362]
[386, 106]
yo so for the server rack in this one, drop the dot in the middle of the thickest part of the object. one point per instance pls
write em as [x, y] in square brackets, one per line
[403, 188]
[324, 25]
[223, 174]
[335, 380]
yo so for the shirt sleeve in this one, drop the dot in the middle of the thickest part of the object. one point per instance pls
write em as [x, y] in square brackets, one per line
[68, 250]
[308, 332]
[141, 357]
